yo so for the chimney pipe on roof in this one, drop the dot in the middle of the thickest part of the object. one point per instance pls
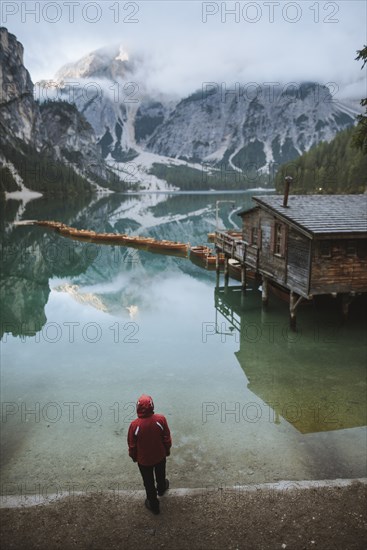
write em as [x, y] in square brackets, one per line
[288, 181]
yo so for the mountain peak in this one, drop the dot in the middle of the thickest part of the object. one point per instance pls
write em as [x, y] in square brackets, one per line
[122, 55]
[111, 62]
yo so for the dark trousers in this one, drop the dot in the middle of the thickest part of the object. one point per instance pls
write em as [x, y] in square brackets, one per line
[147, 473]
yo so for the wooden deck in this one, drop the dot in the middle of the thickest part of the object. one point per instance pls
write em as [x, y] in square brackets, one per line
[233, 246]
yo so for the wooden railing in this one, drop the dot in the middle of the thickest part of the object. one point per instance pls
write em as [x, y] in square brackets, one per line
[232, 244]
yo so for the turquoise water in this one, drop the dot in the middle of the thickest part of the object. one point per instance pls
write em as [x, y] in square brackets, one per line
[87, 328]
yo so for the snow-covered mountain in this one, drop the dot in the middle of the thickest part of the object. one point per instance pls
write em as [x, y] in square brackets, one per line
[240, 130]
[111, 63]
[109, 89]
[231, 127]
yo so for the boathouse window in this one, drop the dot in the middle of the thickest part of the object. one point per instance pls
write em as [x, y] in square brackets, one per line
[351, 249]
[279, 239]
[254, 236]
[361, 249]
[325, 250]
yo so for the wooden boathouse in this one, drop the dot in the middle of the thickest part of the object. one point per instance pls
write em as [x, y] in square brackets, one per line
[306, 245]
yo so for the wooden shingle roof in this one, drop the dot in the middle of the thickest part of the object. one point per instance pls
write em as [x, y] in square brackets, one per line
[320, 214]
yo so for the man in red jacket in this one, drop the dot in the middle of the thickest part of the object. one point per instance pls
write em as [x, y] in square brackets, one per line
[149, 442]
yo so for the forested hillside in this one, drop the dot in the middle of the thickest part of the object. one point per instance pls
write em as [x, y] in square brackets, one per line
[335, 167]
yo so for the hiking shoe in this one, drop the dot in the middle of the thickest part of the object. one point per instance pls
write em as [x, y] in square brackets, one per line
[161, 493]
[152, 507]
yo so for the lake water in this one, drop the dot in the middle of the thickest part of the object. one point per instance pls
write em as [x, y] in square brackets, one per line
[87, 328]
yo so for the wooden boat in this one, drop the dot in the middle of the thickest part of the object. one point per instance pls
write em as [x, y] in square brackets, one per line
[212, 258]
[234, 269]
[169, 245]
[138, 240]
[49, 223]
[206, 255]
[80, 233]
[110, 237]
[200, 251]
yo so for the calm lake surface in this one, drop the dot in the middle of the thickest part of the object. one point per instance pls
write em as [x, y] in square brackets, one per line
[87, 328]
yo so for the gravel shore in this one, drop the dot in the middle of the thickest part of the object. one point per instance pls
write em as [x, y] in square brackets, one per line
[324, 517]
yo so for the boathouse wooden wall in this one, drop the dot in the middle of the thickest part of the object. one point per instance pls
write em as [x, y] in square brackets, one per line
[344, 270]
[271, 265]
[298, 262]
[290, 269]
[252, 247]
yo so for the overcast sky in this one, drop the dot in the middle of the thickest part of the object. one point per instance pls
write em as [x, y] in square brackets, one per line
[191, 42]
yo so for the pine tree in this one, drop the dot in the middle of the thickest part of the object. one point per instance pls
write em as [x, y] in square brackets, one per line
[360, 136]
[335, 167]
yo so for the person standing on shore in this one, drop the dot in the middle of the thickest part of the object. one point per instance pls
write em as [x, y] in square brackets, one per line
[149, 441]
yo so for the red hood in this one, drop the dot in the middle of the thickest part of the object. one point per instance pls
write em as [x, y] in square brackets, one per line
[144, 406]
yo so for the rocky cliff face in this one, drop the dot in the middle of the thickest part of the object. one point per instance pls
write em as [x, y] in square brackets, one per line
[19, 114]
[107, 89]
[33, 137]
[239, 130]
[70, 135]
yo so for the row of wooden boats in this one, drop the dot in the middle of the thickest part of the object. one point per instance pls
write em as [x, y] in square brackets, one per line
[116, 238]
[201, 254]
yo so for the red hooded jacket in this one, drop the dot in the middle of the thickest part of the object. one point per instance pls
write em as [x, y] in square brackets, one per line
[148, 438]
